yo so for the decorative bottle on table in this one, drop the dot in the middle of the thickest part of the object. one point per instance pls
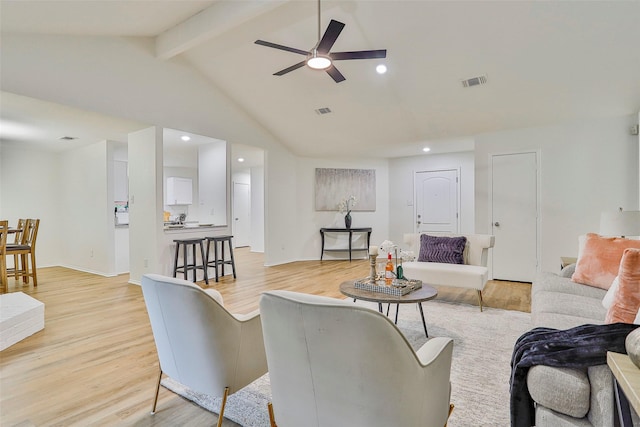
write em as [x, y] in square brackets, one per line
[388, 270]
[399, 272]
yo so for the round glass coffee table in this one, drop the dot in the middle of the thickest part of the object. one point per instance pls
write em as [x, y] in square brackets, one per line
[425, 293]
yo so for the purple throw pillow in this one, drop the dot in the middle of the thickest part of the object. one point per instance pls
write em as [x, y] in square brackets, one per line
[442, 249]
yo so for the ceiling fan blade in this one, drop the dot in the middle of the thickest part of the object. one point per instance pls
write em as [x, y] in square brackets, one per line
[335, 74]
[289, 69]
[279, 46]
[330, 36]
[360, 54]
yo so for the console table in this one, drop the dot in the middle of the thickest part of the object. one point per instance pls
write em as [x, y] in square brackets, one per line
[349, 231]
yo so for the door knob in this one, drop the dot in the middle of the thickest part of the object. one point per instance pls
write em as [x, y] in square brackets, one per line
[497, 224]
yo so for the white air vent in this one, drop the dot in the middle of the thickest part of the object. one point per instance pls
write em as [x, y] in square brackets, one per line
[325, 110]
[475, 81]
[67, 138]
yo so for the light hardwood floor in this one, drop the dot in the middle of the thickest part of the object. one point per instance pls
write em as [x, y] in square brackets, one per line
[95, 362]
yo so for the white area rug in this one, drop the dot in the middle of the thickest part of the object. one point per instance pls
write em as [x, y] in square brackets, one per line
[479, 374]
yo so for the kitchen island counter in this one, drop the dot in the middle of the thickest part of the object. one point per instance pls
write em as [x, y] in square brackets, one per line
[187, 232]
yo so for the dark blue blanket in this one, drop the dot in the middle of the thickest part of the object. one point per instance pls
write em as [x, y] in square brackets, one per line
[578, 347]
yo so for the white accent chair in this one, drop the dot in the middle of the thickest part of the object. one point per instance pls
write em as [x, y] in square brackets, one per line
[333, 363]
[200, 344]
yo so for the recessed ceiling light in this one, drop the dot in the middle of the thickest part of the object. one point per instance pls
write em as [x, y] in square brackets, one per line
[381, 69]
[426, 149]
[240, 159]
[185, 138]
[67, 138]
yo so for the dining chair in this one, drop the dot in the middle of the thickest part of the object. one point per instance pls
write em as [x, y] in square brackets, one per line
[26, 250]
[332, 363]
[200, 344]
[4, 231]
[18, 235]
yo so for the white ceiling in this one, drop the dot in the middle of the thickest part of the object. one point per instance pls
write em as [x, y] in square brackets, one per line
[41, 124]
[546, 62]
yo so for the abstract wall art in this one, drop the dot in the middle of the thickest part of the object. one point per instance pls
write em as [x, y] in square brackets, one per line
[335, 185]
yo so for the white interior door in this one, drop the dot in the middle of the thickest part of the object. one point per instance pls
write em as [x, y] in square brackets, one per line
[514, 194]
[241, 218]
[437, 201]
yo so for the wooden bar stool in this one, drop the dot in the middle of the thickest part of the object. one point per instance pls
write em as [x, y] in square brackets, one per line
[220, 261]
[186, 265]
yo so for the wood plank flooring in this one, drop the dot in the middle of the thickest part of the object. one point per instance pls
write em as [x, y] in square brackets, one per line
[95, 362]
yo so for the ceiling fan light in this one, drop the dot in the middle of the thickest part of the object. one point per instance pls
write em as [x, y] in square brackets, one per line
[319, 62]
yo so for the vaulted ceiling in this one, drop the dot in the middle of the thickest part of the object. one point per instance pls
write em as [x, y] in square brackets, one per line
[545, 63]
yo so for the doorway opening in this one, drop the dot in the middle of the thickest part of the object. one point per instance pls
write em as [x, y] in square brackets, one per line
[247, 197]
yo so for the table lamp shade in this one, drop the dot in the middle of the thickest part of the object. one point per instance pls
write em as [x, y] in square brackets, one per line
[620, 223]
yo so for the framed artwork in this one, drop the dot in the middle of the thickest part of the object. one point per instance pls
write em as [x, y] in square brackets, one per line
[336, 185]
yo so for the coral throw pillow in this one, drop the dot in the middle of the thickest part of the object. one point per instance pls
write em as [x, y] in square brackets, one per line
[599, 261]
[448, 250]
[626, 301]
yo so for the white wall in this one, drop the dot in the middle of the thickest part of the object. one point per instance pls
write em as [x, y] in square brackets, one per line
[33, 193]
[401, 183]
[71, 194]
[586, 167]
[148, 253]
[213, 184]
[257, 209]
[307, 228]
[87, 204]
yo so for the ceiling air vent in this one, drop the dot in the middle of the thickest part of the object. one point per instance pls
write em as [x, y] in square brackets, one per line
[67, 138]
[325, 110]
[475, 81]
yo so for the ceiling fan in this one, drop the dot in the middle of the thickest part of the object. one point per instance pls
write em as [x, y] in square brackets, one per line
[320, 57]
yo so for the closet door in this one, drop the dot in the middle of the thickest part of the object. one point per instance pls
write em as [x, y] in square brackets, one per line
[514, 219]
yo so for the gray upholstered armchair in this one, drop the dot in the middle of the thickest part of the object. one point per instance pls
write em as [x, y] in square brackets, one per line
[333, 363]
[200, 344]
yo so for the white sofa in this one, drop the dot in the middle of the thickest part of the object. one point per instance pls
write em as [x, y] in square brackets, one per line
[473, 274]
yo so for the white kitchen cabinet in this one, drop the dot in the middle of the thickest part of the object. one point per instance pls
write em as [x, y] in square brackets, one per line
[179, 191]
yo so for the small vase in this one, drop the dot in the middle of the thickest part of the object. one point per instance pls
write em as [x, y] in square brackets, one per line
[347, 220]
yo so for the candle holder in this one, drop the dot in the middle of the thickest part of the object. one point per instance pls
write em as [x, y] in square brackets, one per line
[372, 268]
